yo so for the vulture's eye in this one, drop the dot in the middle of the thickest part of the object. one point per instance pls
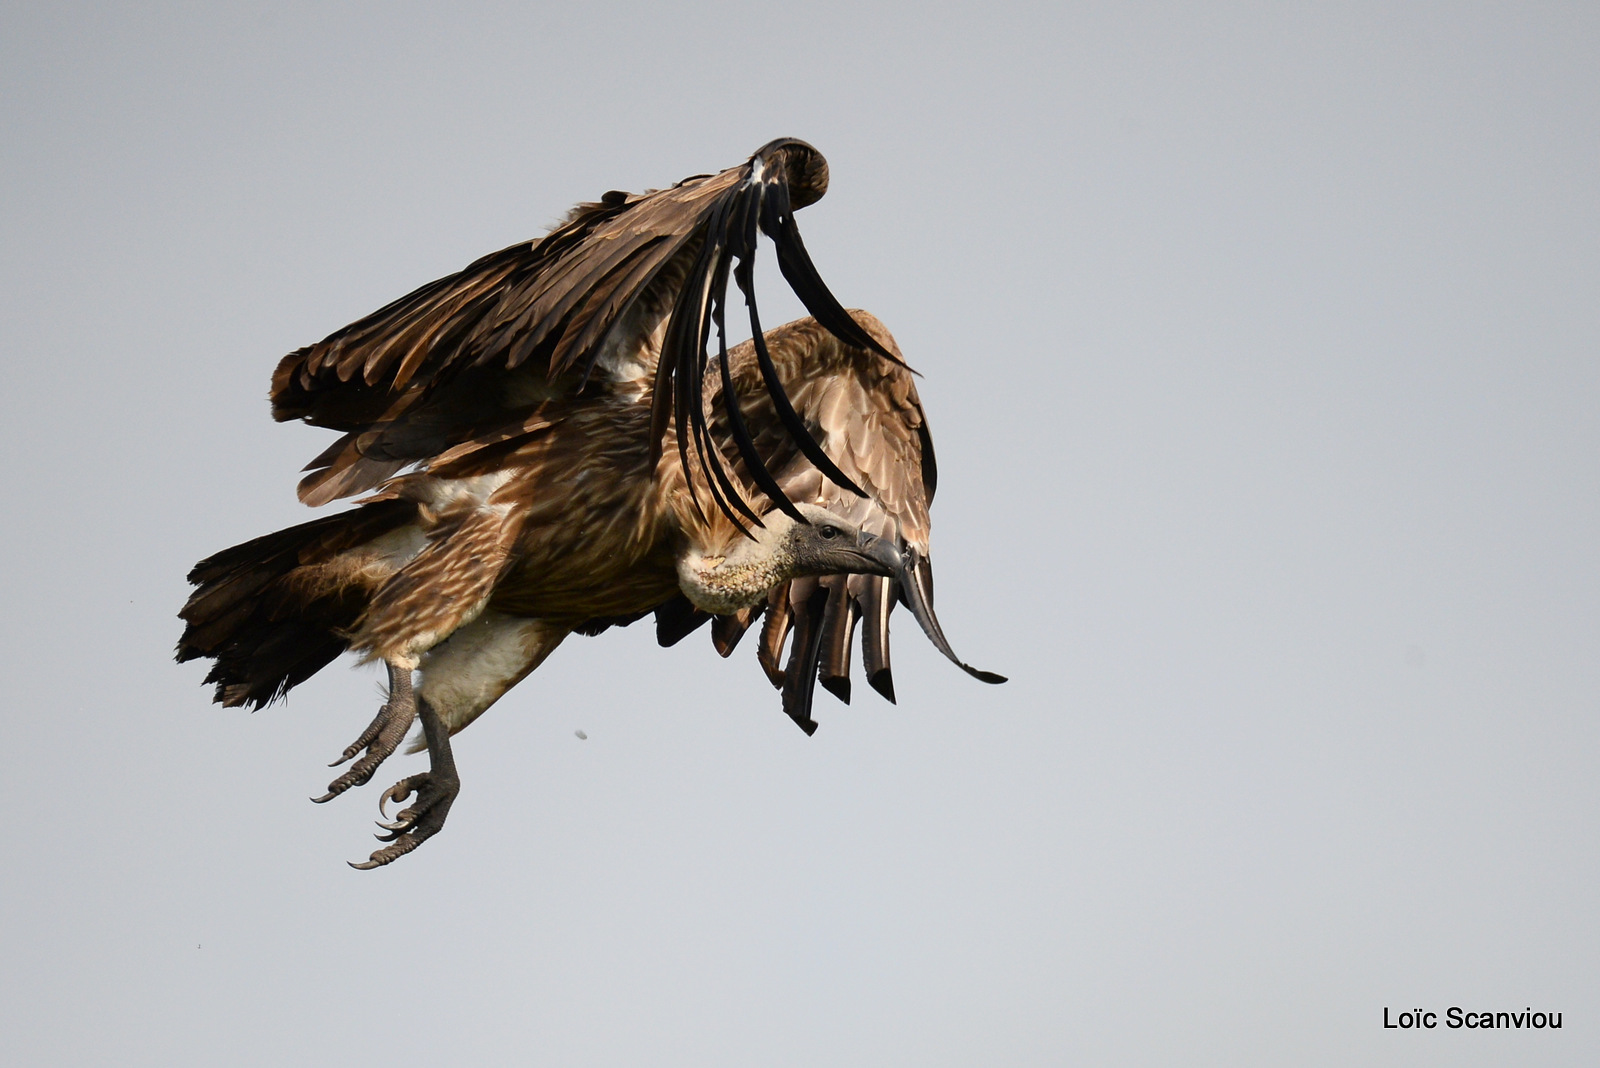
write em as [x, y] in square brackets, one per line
[828, 532]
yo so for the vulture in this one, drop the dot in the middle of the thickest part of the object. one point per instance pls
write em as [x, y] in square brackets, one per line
[547, 445]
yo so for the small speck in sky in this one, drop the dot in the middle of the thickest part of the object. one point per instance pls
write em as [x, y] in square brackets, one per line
[582, 737]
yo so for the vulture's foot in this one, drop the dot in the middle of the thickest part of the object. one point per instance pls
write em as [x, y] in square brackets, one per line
[382, 736]
[436, 791]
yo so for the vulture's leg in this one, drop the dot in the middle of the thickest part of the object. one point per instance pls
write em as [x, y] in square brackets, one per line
[382, 736]
[436, 791]
[458, 680]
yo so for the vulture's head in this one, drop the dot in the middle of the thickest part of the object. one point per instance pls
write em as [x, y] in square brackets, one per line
[738, 572]
[723, 573]
[829, 545]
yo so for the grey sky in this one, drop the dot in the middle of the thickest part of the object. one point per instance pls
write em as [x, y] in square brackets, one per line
[1260, 352]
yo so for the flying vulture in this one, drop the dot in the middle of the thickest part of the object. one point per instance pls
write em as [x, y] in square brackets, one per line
[547, 446]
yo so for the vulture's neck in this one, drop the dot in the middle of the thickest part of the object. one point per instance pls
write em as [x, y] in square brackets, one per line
[730, 574]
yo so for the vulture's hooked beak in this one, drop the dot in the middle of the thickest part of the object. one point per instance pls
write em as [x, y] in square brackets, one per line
[910, 571]
[879, 556]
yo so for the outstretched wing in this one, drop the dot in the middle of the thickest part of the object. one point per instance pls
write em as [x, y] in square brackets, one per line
[868, 417]
[630, 282]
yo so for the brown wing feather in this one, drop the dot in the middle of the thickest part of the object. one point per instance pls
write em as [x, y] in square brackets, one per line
[773, 634]
[441, 365]
[838, 627]
[808, 601]
[727, 630]
[866, 414]
[430, 370]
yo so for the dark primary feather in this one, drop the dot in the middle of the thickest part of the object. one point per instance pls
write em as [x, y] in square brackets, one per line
[727, 630]
[838, 628]
[440, 366]
[808, 600]
[877, 601]
[677, 619]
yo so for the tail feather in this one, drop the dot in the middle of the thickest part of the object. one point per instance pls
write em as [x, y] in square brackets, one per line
[275, 610]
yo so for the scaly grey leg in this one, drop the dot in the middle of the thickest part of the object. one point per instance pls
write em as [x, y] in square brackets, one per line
[382, 736]
[436, 791]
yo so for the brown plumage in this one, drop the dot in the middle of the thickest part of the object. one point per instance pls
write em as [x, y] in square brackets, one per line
[579, 462]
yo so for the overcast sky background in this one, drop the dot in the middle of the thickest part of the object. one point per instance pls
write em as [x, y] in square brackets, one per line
[1260, 346]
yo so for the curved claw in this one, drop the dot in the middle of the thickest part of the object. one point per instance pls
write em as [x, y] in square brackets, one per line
[355, 747]
[435, 791]
[415, 825]
[359, 775]
[403, 821]
[389, 854]
[398, 793]
[401, 790]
